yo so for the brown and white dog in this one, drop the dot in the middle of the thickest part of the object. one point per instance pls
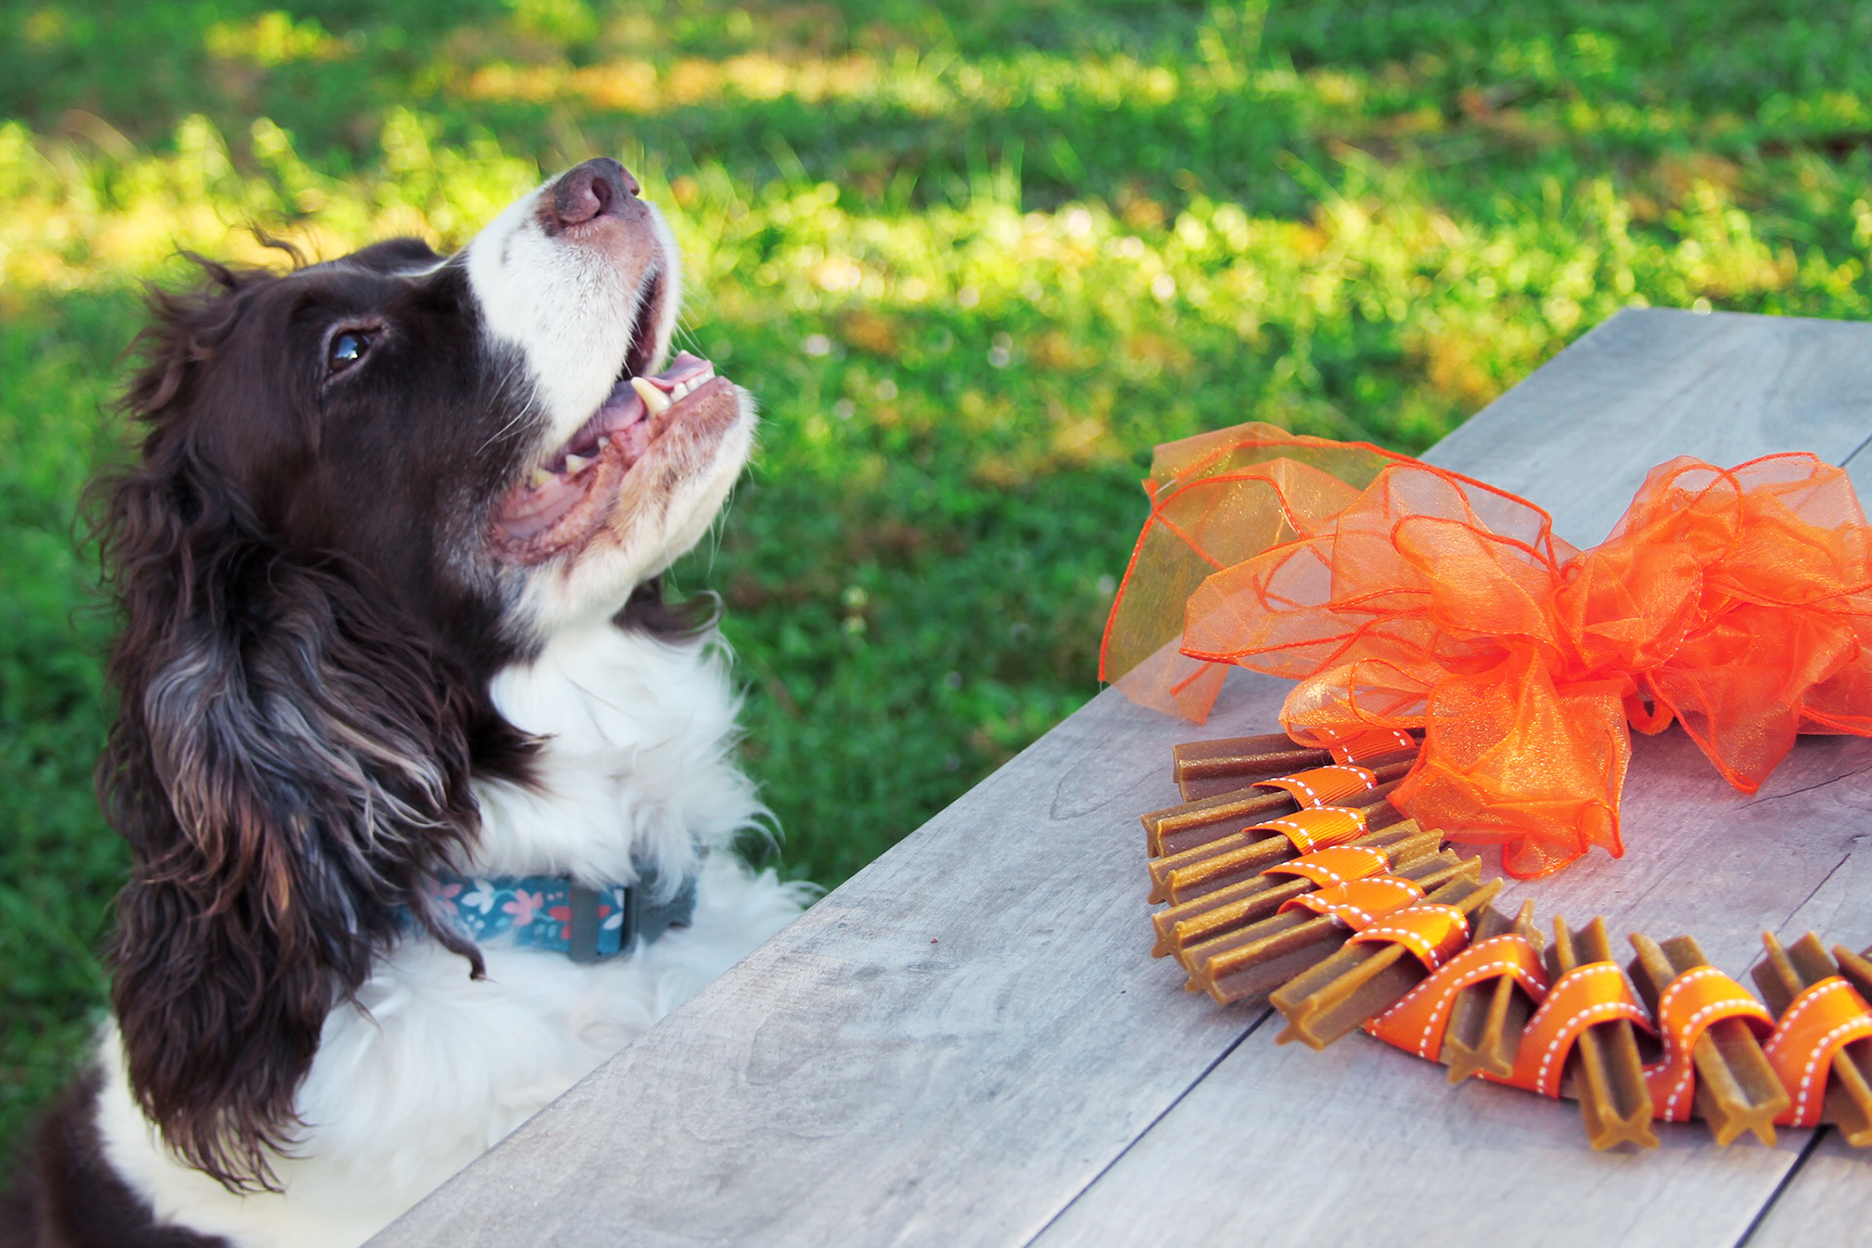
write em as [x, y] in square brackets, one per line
[394, 646]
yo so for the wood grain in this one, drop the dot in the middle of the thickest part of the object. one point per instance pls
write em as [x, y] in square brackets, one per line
[1320, 1145]
[1829, 1201]
[968, 1044]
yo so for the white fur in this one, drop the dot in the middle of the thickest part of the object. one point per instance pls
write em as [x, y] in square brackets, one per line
[640, 764]
[526, 279]
[431, 1067]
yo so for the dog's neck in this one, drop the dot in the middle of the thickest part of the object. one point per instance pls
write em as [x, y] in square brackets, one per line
[637, 765]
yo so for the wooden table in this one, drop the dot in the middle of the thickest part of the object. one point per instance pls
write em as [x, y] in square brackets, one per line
[968, 1044]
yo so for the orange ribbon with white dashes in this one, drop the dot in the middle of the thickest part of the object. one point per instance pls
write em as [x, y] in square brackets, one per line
[1335, 864]
[1597, 992]
[1418, 1021]
[1817, 1025]
[1374, 743]
[1316, 828]
[1323, 786]
[1432, 933]
[1689, 1005]
[1360, 903]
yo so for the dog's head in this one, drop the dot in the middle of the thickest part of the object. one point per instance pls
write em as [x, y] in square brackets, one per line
[364, 486]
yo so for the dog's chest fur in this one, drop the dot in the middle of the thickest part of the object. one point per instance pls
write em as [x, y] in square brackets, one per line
[638, 766]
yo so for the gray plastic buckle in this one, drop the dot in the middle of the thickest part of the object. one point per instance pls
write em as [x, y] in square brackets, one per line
[641, 923]
[582, 943]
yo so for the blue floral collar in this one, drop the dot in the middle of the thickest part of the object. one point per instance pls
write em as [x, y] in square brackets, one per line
[553, 913]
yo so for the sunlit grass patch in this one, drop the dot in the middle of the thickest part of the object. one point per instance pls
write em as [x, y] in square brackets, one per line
[76, 221]
[272, 38]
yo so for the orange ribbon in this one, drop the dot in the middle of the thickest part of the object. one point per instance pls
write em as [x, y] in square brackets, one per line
[1402, 597]
[1335, 865]
[1419, 1020]
[1367, 744]
[1316, 827]
[1323, 786]
[1585, 996]
[1818, 1023]
[1360, 903]
[1430, 932]
[1687, 1008]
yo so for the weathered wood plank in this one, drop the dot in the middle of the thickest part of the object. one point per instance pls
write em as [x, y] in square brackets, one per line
[853, 1074]
[1829, 1201]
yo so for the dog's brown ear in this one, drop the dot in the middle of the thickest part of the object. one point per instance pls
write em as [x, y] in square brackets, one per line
[289, 764]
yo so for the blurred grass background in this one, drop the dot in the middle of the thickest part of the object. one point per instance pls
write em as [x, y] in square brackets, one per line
[975, 260]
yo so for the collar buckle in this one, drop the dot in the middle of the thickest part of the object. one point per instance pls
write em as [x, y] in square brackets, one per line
[640, 920]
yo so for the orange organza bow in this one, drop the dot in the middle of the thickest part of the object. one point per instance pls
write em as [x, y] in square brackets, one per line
[1402, 596]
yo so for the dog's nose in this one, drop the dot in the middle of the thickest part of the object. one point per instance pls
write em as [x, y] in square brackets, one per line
[597, 188]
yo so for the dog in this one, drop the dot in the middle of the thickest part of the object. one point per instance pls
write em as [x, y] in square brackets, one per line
[431, 793]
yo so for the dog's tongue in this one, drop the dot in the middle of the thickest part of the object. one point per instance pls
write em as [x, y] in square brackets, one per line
[623, 420]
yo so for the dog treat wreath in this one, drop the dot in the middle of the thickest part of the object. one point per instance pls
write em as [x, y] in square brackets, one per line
[1466, 676]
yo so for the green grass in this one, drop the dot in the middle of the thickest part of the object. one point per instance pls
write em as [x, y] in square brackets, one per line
[975, 260]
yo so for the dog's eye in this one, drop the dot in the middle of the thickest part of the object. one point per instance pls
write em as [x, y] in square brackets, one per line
[347, 348]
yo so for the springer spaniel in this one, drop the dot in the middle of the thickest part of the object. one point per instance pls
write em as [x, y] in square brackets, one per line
[432, 797]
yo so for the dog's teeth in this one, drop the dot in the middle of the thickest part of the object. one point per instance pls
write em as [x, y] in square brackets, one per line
[682, 390]
[654, 399]
[539, 478]
[577, 463]
[604, 440]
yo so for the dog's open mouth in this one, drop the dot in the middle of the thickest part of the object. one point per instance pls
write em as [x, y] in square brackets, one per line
[569, 496]
[571, 493]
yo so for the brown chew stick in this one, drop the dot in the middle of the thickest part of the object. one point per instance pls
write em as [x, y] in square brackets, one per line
[1389, 767]
[1786, 970]
[1236, 905]
[1248, 964]
[1486, 1019]
[1605, 1073]
[1190, 825]
[1204, 868]
[1736, 1089]
[1203, 768]
[1360, 981]
[1856, 967]
[1783, 975]
[1243, 759]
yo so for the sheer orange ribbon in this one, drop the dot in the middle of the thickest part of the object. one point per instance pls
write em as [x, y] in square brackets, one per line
[1736, 602]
